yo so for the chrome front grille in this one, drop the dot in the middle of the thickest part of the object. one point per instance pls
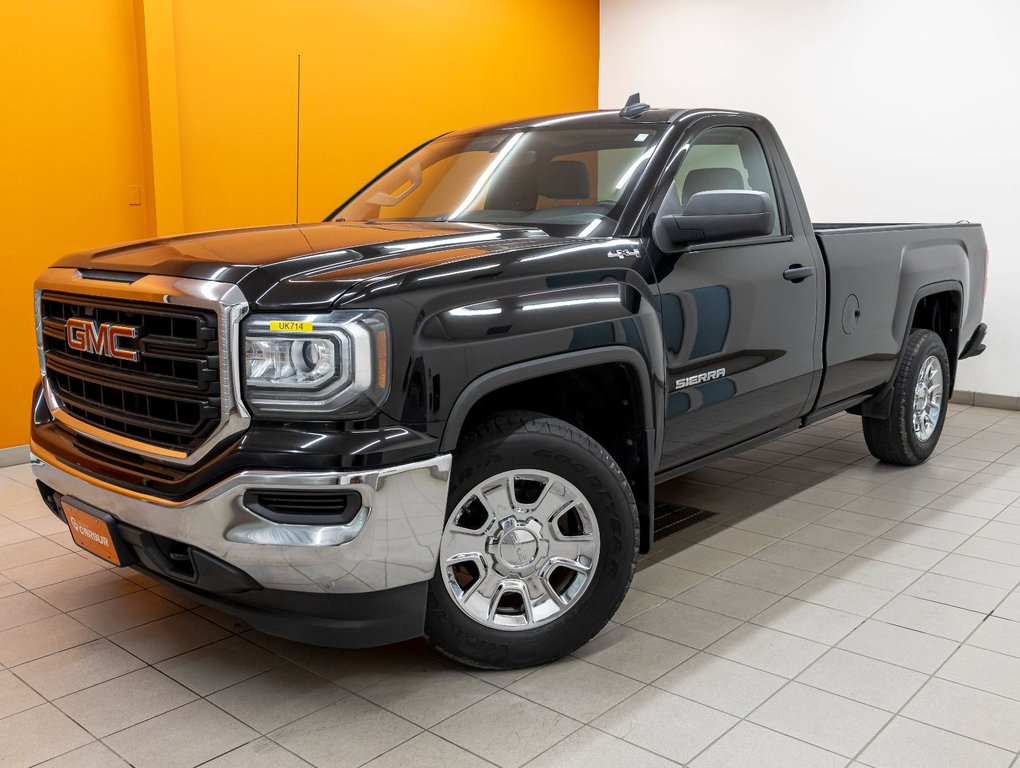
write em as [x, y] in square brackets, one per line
[173, 395]
[168, 397]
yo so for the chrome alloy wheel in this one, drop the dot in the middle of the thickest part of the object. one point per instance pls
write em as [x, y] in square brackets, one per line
[927, 398]
[519, 549]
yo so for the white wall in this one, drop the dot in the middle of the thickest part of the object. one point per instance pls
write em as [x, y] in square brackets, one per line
[891, 110]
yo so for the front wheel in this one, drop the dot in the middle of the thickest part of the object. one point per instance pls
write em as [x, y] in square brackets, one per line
[539, 545]
[918, 410]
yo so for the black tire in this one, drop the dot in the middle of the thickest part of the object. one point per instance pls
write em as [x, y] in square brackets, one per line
[516, 440]
[894, 440]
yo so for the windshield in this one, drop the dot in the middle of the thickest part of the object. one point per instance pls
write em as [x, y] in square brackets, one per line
[568, 182]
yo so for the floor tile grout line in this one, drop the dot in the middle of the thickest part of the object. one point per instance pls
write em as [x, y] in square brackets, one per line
[793, 679]
[722, 637]
[792, 596]
[858, 625]
[837, 647]
[631, 696]
[265, 734]
[13, 671]
[392, 674]
[101, 602]
[496, 690]
[954, 733]
[120, 730]
[101, 636]
[487, 696]
[47, 655]
[896, 523]
[442, 738]
[144, 664]
[78, 553]
[617, 672]
[742, 719]
[581, 726]
[789, 680]
[242, 746]
[931, 677]
[126, 759]
[785, 685]
[586, 725]
[69, 751]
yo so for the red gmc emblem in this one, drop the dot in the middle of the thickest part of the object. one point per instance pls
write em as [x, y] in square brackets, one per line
[101, 338]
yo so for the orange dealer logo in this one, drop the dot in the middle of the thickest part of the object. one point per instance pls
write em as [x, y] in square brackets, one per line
[101, 338]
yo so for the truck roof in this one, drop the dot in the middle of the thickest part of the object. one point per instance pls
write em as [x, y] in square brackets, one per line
[597, 118]
[605, 118]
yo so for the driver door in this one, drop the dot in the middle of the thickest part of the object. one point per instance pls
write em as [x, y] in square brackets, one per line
[739, 336]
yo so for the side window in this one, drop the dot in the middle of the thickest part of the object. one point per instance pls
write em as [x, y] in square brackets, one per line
[722, 158]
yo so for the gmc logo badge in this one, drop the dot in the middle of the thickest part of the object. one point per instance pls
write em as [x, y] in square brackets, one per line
[101, 338]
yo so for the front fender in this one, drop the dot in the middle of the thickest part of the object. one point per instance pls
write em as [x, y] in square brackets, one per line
[475, 347]
[533, 369]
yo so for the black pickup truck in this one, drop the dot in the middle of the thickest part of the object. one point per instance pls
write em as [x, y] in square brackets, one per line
[443, 410]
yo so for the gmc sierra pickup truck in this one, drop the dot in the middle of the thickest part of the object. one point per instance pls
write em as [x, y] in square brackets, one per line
[443, 410]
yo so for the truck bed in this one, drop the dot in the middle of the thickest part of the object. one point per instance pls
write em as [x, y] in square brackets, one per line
[875, 274]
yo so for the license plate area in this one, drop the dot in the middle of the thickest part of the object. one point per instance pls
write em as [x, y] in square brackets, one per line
[95, 531]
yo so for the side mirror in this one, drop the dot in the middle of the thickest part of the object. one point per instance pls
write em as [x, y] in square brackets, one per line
[715, 216]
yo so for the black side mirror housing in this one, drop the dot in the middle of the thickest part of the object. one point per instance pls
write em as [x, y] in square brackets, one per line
[715, 216]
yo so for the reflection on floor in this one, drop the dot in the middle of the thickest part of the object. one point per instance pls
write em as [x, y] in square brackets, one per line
[832, 610]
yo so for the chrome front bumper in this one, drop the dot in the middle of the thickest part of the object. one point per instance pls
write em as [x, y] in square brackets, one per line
[393, 541]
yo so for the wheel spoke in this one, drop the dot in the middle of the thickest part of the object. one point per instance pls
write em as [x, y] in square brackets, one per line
[530, 477]
[580, 565]
[511, 586]
[560, 601]
[557, 535]
[464, 593]
[553, 500]
[572, 547]
[498, 499]
[477, 600]
[465, 518]
[478, 558]
[460, 542]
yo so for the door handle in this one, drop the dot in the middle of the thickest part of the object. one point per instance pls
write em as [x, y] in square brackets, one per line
[798, 273]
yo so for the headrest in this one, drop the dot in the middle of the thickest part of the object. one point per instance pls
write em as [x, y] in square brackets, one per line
[709, 179]
[513, 188]
[564, 180]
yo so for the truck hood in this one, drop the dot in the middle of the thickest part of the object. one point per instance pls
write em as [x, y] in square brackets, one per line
[327, 258]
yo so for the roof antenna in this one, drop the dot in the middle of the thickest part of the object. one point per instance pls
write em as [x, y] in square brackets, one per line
[634, 106]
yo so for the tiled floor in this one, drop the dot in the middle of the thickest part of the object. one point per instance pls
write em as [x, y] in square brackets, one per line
[834, 612]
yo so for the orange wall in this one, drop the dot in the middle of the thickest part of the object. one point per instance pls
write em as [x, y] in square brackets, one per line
[377, 79]
[97, 96]
[70, 146]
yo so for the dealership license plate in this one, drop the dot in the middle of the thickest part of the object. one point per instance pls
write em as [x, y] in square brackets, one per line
[91, 533]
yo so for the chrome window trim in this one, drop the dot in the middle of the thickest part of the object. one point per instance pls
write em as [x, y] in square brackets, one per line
[225, 299]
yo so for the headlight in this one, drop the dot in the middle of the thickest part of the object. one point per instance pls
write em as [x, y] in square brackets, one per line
[316, 366]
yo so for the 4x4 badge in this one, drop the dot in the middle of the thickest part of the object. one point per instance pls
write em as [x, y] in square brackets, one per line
[620, 253]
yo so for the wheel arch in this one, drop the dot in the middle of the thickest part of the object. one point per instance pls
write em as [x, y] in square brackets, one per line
[935, 304]
[623, 371]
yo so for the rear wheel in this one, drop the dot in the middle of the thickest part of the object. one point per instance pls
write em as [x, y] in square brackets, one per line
[538, 548]
[918, 411]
